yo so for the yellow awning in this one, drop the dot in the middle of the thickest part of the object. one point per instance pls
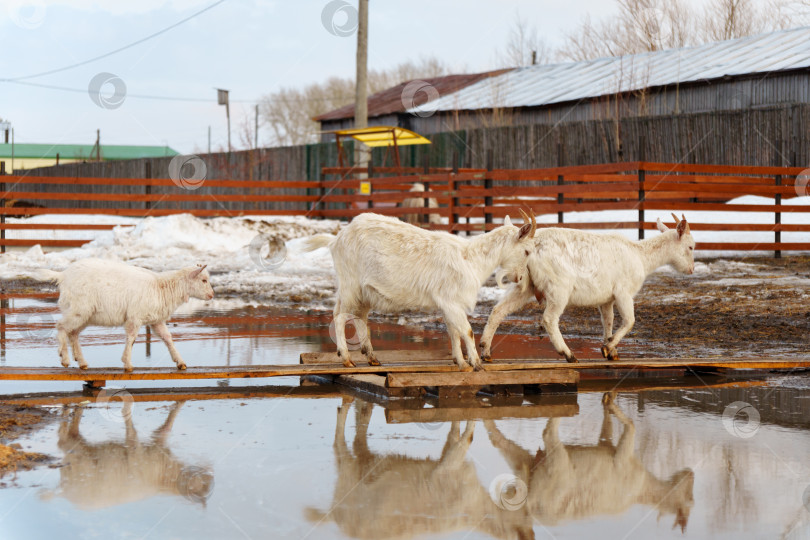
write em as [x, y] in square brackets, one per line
[382, 136]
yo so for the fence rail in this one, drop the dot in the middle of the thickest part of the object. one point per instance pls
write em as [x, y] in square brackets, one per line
[468, 199]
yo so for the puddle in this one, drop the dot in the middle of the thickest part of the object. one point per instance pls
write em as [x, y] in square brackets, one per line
[292, 463]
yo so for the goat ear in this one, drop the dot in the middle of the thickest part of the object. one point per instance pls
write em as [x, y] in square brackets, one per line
[525, 230]
[661, 226]
[507, 221]
[682, 228]
[196, 272]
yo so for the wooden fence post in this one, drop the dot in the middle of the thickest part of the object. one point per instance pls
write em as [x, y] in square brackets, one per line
[147, 173]
[3, 205]
[642, 196]
[453, 199]
[425, 218]
[777, 219]
[370, 173]
[488, 185]
[560, 182]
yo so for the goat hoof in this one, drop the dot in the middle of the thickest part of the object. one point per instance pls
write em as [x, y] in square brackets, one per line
[372, 361]
[84, 366]
[466, 368]
[486, 358]
[605, 352]
[613, 356]
[181, 367]
[127, 369]
[571, 359]
[348, 363]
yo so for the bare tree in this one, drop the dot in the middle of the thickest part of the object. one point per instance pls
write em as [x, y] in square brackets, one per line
[652, 25]
[729, 19]
[524, 46]
[639, 26]
[288, 112]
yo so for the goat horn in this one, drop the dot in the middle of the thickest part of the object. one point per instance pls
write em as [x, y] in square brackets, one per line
[524, 215]
[675, 218]
[534, 224]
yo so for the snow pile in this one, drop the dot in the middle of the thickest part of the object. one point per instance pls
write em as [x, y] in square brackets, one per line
[165, 243]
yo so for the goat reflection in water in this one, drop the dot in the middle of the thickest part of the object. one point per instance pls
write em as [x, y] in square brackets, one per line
[572, 482]
[100, 475]
[394, 496]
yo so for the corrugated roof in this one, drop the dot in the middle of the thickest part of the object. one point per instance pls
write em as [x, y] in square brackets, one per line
[84, 151]
[556, 83]
[389, 101]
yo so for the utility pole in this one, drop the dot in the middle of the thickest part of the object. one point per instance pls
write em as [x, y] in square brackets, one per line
[361, 87]
[98, 145]
[256, 129]
[222, 99]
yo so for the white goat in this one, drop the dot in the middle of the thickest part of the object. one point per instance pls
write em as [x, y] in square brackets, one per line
[391, 266]
[415, 202]
[110, 293]
[579, 268]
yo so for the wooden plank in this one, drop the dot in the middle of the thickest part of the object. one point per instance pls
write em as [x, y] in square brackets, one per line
[85, 180]
[42, 242]
[310, 358]
[461, 414]
[730, 190]
[132, 212]
[722, 169]
[158, 197]
[147, 395]
[62, 226]
[753, 246]
[483, 378]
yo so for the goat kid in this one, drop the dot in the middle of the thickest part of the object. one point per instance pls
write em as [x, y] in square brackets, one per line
[578, 268]
[390, 266]
[414, 202]
[111, 293]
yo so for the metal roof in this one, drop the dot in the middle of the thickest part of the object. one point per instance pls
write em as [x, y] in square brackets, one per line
[539, 85]
[84, 151]
[390, 100]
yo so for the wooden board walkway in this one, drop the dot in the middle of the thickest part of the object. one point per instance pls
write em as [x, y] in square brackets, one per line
[403, 369]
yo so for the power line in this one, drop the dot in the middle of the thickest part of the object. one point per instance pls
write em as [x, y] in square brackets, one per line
[138, 42]
[172, 98]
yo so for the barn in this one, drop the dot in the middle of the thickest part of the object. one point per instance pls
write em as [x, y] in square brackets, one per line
[742, 101]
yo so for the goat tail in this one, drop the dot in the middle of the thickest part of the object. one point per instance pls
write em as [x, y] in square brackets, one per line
[44, 274]
[318, 241]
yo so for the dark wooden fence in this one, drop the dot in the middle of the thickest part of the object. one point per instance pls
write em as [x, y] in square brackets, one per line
[470, 200]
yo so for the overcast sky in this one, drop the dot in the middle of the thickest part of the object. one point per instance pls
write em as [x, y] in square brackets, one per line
[249, 47]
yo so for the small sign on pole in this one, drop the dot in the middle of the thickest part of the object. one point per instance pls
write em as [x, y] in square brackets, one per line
[365, 188]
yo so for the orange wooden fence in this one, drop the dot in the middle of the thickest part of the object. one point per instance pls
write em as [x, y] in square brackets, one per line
[469, 199]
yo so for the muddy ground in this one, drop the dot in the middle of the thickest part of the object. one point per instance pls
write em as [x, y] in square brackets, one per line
[16, 421]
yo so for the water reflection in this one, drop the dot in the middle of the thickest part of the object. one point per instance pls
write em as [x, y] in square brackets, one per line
[110, 473]
[574, 482]
[388, 495]
[395, 496]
